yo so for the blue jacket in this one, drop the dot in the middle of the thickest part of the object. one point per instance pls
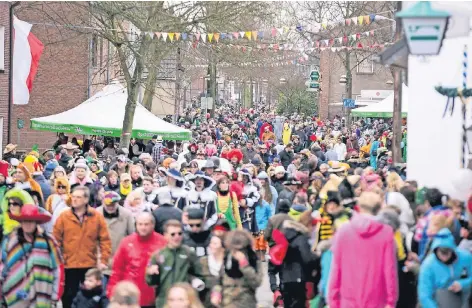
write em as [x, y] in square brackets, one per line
[263, 213]
[49, 168]
[326, 258]
[44, 184]
[435, 274]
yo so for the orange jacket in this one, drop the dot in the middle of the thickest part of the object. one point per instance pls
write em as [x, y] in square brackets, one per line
[80, 241]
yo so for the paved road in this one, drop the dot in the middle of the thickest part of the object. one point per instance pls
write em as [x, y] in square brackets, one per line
[264, 294]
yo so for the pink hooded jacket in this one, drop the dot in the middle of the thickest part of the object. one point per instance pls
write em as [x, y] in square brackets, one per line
[364, 265]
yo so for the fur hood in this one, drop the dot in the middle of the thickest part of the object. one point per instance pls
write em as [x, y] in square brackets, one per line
[238, 239]
[295, 225]
[205, 196]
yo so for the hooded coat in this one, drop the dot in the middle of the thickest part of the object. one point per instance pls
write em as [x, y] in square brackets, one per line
[353, 260]
[286, 134]
[8, 224]
[436, 275]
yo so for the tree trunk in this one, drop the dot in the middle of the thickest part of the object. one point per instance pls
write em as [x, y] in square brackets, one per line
[348, 86]
[150, 89]
[213, 85]
[397, 102]
[129, 114]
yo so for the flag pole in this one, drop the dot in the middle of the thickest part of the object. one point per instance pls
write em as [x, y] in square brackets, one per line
[10, 72]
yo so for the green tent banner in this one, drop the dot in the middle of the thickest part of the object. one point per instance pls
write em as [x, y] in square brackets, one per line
[103, 131]
[374, 114]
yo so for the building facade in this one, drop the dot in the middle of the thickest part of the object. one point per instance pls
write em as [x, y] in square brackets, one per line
[366, 75]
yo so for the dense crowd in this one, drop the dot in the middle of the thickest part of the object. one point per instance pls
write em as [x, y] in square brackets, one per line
[317, 206]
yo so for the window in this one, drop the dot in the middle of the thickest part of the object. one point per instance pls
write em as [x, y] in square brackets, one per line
[101, 52]
[366, 66]
[94, 50]
[2, 48]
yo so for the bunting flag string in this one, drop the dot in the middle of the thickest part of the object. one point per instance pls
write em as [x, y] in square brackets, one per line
[254, 35]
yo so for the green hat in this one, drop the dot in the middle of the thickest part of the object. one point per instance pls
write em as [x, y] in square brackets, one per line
[420, 197]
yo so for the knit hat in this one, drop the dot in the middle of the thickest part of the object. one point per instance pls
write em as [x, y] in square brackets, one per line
[195, 213]
[81, 163]
[111, 197]
[279, 169]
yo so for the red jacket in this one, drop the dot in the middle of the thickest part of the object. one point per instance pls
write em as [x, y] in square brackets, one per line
[130, 262]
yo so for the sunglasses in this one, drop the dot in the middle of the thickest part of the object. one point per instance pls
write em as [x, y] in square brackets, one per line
[14, 204]
[195, 225]
[61, 187]
[176, 234]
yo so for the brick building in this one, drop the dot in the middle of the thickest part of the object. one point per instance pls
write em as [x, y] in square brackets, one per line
[72, 68]
[368, 75]
[4, 66]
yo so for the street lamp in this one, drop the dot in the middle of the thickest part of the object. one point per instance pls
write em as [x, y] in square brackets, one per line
[283, 80]
[343, 79]
[389, 82]
[425, 28]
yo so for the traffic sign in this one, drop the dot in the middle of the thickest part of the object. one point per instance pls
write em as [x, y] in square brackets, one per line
[315, 75]
[314, 85]
[349, 103]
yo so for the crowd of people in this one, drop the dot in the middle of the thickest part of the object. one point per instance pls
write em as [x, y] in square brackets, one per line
[316, 207]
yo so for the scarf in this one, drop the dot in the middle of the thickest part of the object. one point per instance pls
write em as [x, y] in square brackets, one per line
[116, 214]
[125, 191]
[214, 266]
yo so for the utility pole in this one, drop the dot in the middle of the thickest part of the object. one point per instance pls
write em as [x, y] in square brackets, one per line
[178, 81]
[397, 99]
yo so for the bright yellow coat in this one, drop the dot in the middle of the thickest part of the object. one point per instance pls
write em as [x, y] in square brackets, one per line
[286, 134]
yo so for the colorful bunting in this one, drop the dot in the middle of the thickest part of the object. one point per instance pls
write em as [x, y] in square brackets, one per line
[210, 37]
[164, 36]
[171, 37]
[217, 36]
[177, 36]
[158, 35]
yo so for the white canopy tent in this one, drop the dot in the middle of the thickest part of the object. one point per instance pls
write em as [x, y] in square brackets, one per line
[103, 114]
[384, 108]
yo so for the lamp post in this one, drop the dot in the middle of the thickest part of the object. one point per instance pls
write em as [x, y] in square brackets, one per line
[283, 81]
[425, 28]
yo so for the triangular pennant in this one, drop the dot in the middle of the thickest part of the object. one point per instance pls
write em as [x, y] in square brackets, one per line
[340, 40]
[158, 35]
[366, 33]
[325, 42]
[222, 36]
[210, 37]
[195, 44]
[151, 34]
[177, 36]
[216, 36]
[248, 35]
[236, 35]
[359, 45]
[345, 40]
[286, 29]
[367, 20]
[333, 49]
[197, 36]
[184, 36]
[241, 34]
[353, 37]
[280, 30]
[204, 37]
[274, 32]
[171, 36]
[164, 36]
[358, 36]
[347, 22]
[324, 25]
[254, 35]
[360, 19]
[372, 17]
[354, 20]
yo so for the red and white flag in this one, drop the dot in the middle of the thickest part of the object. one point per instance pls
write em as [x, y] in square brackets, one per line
[27, 50]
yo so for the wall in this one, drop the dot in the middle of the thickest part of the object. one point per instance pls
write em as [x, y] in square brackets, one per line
[331, 68]
[434, 142]
[4, 75]
[164, 99]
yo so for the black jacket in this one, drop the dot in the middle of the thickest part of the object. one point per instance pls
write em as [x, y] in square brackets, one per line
[286, 158]
[164, 213]
[198, 242]
[299, 260]
[284, 194]
[90, 299]
[149, 147]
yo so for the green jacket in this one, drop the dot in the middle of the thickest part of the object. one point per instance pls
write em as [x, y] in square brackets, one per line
[175, 265]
